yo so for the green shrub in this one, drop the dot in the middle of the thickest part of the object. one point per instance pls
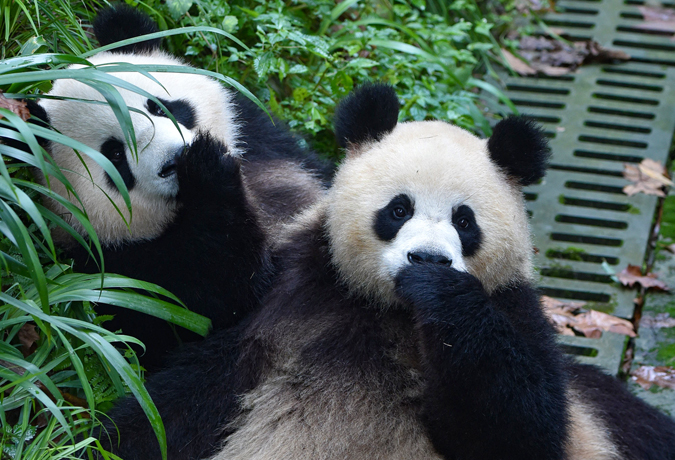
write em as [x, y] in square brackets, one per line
[306, 54]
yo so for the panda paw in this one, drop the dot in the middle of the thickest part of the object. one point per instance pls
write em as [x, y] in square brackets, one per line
[440, 293]
[206, 167]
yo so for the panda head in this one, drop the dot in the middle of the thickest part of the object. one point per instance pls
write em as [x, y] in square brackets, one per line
[196, 102]
[429, 192]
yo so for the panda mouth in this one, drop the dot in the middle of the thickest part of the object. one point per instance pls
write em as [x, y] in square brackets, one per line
[168, 169]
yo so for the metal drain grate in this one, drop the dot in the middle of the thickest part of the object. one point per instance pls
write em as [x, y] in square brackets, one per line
[598, 119]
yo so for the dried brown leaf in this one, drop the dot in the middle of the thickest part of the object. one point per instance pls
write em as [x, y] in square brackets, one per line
[657, 18]
[569, 307]
[27, 337]
[595, 53]
[567, 317]
[18, 107]
[632, 274]
[552, 71]
[562, 323]
[553, 57]
[671, 248]
[641, 187]
[592, 323]
[657, 14]
[661, 376]
[649, 177]
[517, 65]
[530, 43]
[657, 322]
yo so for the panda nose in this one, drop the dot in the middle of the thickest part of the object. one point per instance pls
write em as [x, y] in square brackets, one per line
[425, 257]
[169, 168]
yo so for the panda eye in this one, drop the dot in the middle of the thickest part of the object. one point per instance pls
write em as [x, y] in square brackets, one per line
[155, 109]
[400, 212]
[113, 150]
[463, 222]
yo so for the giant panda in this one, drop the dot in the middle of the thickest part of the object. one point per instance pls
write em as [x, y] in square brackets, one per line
[403, 322]
[207, 196]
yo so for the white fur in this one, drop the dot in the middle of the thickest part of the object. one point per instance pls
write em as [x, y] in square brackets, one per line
[589, 438]
[157, 140]
[439, 166]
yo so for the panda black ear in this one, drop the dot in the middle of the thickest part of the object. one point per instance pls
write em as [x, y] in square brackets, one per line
[367, 114]
[38, 113]
[120, 22]
[39, 117]
[519, 146]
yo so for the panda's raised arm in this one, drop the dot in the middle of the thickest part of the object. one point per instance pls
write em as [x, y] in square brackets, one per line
[214, 279]
[496, 384]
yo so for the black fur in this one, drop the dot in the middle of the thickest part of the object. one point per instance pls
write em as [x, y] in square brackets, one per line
[388, 222]
[38, 117]
[113, 150]
[196, 397]
[210, 256]
[120, 22]
[268, 140]
[496, 385]
[469, 232]
[367, 114]
[519, 146]
[637, 429]
[182, 111]
[38, 114]
[498, 392]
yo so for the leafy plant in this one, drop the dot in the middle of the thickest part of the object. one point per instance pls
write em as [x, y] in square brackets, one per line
[304, 55]
[54, 383]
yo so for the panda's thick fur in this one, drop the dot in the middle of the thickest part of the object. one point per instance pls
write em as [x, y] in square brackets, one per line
[402, 324]
[206, 199]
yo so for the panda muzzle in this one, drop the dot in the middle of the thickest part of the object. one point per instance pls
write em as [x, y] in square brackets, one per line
[169, 168]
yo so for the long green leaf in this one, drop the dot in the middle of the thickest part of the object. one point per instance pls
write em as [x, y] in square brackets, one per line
[11, 224]
[106, 350]
[131, 300]
[165, 33]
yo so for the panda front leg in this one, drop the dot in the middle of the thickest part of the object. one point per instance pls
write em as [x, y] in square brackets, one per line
[211, 254]
[495, 381]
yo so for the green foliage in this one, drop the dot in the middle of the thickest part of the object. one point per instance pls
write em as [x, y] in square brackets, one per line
[304, 55]
[58, 367]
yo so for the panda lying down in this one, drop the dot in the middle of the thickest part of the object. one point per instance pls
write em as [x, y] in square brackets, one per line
[207, 194]
[402, 324]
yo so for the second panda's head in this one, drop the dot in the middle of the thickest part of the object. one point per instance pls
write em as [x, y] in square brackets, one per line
[197, 103]
[429, 192]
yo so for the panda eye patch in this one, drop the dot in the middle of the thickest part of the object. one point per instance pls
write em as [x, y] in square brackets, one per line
[468, 230]
[390, 219]
[154, 109]
[181, 111]
[113, 149]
